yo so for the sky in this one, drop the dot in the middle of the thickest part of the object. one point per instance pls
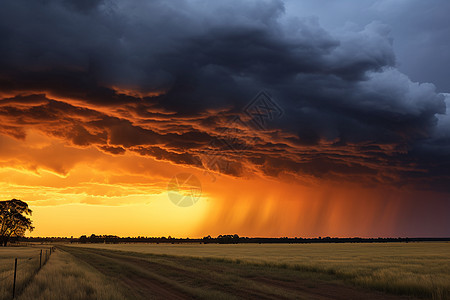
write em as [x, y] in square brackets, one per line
[259, 118]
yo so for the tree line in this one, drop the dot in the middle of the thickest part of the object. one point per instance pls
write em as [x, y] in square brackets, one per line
[222, 239]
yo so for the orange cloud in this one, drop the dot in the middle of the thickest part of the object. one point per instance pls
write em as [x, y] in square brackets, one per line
[61, 156]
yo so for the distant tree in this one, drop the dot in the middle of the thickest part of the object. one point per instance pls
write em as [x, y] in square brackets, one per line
[13, 220]
[207, 239]
[83, 239]
[228, 239]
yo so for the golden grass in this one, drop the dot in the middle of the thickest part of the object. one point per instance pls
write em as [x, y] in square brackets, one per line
[27, 265]
[419, 269]
[64, 277]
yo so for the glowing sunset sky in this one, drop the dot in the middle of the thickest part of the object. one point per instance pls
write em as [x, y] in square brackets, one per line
[102, 103]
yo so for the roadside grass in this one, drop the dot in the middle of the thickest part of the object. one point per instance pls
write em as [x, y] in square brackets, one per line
[64, 277]
[27, 266]
[413, 269]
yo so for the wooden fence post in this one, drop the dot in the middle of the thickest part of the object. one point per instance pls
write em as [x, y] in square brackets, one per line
[40, 259]
[14, 282]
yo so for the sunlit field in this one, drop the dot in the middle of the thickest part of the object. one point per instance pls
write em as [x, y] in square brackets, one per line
[419, 269]
[64, 277]
[27, 266]
[214, 271]
[61, 277]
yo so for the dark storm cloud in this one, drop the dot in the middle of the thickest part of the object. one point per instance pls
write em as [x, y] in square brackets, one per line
[420, 29]
[155, 74]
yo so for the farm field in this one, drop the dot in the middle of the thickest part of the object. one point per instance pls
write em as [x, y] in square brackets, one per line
[61, 277]
[27, 266]
[155, 276]
[415, 269]
[242, 271]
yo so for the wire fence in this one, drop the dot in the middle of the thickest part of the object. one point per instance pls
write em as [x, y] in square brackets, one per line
[13, 280]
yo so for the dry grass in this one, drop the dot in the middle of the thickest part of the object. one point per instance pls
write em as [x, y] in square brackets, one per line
[155, 276]
[416, 269]
[64, 277]
[419, 269]
[27, 266]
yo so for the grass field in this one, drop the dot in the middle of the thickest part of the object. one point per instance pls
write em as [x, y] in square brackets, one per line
[250, 271]
[61, 277]
[65, 277]
[417, 269]
[155, 276]
[27, 266]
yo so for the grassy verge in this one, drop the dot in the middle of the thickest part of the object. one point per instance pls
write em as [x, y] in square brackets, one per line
[27, 267]
[63, 277]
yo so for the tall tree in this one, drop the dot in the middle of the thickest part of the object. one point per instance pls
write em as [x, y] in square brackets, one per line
[13, 220]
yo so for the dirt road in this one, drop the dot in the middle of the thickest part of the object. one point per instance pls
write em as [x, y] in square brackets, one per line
[166, 277]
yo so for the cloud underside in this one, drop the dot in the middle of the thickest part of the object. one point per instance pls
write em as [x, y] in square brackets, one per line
[173, 82]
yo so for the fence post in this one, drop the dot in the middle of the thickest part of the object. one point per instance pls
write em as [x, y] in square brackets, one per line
[40, 259]
[14, 282]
